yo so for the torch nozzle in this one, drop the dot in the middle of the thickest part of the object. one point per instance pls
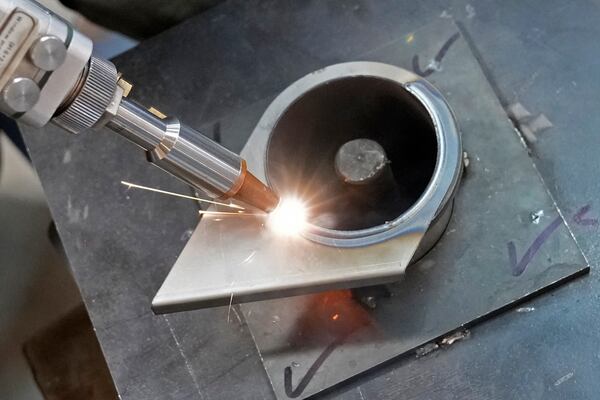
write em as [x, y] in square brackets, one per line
[255, 193]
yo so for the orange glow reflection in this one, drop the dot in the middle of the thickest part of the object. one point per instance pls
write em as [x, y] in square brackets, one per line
[330, 316]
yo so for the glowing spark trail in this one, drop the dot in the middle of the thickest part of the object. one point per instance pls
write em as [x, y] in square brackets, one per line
[133, 185]
[237, 214]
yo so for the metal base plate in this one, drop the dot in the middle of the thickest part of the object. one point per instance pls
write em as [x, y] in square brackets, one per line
[498, 249]
[311, 343]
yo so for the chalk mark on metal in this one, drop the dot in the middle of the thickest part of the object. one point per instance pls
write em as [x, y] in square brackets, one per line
[437, 59]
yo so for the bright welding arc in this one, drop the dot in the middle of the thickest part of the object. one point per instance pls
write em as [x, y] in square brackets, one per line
[289, 218]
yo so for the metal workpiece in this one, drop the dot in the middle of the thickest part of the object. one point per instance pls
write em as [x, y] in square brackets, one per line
[349, 241]
[329, 114]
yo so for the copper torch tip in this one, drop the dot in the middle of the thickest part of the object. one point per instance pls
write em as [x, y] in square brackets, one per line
[255, 193]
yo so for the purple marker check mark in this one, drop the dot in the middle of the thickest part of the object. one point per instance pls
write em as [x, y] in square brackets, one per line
[518, 267]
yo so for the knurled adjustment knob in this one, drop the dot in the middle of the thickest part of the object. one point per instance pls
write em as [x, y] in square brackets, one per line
[93, 98]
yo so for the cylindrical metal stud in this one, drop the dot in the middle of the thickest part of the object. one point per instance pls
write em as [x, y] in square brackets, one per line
[48, 53]
[21, 94]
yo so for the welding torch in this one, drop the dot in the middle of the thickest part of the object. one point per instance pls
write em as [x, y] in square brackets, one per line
[48, 73]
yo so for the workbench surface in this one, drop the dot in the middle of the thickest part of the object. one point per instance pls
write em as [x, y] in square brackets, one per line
[121, 244]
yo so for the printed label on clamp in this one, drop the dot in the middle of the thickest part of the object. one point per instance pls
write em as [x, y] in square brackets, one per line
[12, 36]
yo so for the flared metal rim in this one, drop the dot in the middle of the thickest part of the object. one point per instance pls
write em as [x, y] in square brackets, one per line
[446, 175]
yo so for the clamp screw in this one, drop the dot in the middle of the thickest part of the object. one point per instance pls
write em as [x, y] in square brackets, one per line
[21, 94]
[48, 53]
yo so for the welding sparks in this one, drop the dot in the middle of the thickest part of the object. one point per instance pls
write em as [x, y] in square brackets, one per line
[237, 214]
[289, 218]
[133, 185]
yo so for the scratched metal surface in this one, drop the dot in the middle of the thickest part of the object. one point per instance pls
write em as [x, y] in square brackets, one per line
[542, 53]
[310, 343]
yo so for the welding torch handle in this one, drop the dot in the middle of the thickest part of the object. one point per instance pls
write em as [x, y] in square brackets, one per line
[188, 155]
[48, 73]
[180, 150]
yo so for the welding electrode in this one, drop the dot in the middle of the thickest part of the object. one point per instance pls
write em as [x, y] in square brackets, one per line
[47, 73]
